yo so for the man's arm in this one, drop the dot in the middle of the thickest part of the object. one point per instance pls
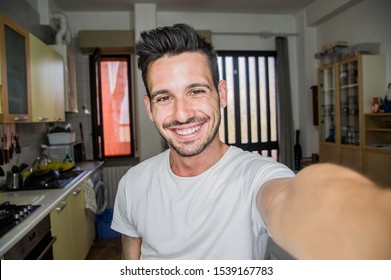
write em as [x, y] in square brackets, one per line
[328, 212]
[131, 247]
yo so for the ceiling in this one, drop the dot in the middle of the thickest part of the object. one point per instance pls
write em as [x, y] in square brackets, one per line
[221, 6]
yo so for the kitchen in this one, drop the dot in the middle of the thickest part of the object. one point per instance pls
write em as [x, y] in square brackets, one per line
[318, 24]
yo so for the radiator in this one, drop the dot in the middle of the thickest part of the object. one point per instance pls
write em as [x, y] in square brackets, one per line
[111, 176]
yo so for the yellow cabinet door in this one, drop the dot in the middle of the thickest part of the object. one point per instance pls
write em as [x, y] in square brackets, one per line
[61, 229]
[81, 243]
[47, 80]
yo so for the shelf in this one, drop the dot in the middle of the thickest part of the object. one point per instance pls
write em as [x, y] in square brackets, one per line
[349, 86]
[379, 129]
[378, 114]
[386, 148]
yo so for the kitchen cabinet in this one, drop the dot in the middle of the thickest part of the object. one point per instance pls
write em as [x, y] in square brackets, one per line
[83, 225]
[70, 83]
[47, 80]
[73, 225]
[377, 147]
[60, 220]
[346, 89]
[15, 76]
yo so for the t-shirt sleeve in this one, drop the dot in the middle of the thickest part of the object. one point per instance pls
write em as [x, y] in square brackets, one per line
[122, 221]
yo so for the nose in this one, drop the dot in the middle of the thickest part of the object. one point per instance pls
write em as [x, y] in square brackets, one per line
[183, 110]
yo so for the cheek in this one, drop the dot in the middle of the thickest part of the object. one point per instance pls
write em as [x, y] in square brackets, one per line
[160, 115]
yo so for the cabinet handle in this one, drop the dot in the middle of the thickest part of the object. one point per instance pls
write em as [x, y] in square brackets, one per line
[76, 192]
[43, 118]
[62, 206]
[59, 119]
[23, 118]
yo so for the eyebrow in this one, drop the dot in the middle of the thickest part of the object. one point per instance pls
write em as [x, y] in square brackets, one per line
[198, 85]
[165, 91]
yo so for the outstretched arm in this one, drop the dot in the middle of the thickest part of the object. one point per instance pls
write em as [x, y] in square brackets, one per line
[328, 212]
[131, 247]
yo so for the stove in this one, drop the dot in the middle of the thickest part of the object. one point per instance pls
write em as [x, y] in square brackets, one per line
[11, 215]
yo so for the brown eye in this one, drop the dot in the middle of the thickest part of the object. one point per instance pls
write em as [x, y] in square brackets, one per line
[163, 99]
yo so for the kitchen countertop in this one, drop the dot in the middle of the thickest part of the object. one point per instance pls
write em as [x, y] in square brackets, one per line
[48, 199]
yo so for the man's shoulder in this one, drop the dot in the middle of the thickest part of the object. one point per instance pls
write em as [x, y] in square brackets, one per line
[152, 163]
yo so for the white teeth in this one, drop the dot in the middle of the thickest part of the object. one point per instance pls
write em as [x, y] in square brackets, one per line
[187, 131]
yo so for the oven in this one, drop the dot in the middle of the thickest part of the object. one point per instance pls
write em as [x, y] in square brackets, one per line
[37, 244]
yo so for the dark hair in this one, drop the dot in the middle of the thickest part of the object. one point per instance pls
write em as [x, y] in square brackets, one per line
[173, 40]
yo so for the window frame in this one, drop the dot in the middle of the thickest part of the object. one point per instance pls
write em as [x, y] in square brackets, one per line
[270, 145]
[96, 106]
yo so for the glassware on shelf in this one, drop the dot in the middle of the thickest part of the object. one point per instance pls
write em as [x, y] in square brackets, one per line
[327, 101]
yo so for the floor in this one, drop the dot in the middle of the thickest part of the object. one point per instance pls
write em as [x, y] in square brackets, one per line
[105, 249]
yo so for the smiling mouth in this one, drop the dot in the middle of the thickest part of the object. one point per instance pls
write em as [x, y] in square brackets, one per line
[187, 131]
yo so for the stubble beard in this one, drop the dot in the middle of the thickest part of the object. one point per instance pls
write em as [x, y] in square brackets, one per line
[185, 149]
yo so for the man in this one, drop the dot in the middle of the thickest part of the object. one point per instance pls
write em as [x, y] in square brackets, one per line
[202, 199]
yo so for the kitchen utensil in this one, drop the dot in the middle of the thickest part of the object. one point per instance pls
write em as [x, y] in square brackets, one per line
[83, 149]
[15, 169]
[22, 167]
[18, 148]
[14, 180]
[41, 178]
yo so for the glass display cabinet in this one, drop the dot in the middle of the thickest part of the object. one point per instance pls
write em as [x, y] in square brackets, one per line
[345, 91]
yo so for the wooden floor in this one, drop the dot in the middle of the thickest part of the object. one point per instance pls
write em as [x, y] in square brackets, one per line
[105, 249]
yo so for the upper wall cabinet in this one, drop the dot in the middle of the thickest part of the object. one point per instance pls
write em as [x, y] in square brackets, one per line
[70, 83]
[15, 99]
[47, 82]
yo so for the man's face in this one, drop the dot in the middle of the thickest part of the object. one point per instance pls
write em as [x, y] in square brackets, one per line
[184, 104]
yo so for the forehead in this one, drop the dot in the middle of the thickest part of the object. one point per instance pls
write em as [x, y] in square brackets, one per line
[176, 66]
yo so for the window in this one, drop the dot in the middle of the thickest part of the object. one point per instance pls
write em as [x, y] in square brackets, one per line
[111, 106]
[250, 119]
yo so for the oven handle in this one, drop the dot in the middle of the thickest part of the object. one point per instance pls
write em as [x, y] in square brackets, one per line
[47, 248]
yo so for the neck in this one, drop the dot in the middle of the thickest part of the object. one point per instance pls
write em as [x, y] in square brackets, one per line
[195, 165]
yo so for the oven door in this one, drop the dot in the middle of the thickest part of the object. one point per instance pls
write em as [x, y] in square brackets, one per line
[43, 250]
[36, 245]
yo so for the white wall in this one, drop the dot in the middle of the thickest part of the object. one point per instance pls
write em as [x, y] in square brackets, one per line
[367, 21]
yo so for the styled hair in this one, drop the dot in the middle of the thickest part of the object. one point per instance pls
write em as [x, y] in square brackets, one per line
[173, 40]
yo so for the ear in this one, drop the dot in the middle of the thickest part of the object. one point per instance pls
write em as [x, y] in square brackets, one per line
[147, 103]
[222, 88]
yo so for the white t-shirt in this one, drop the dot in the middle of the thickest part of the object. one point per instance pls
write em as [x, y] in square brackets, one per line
[209, 216]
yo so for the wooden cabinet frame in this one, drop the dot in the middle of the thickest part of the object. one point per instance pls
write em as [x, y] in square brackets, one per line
[6, 115]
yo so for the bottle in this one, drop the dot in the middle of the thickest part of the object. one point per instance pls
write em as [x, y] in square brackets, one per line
[375, 105]
[67, 159]
[297, 151]
[42, 161]
[388, 93]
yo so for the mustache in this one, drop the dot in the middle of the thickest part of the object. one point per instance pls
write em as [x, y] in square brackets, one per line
[188, 121]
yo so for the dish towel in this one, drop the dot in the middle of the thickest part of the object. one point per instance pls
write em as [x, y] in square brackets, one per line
[90, 199]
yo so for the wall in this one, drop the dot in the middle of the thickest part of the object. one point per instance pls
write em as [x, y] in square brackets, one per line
[367, 21]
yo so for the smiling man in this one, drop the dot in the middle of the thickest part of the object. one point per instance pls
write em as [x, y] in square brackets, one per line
[203, 199]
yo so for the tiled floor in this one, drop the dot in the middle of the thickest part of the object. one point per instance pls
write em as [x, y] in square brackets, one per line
[105, 249]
